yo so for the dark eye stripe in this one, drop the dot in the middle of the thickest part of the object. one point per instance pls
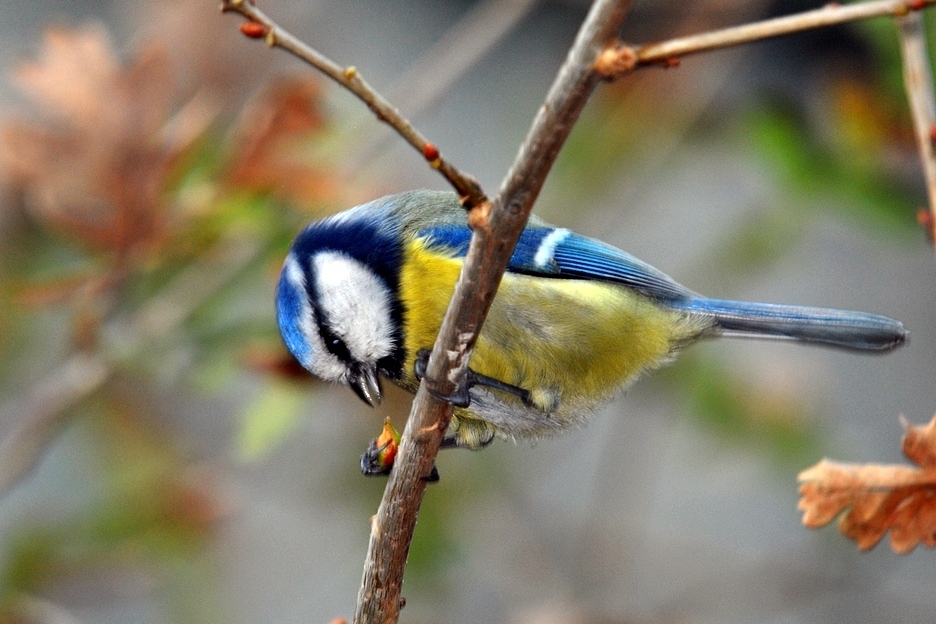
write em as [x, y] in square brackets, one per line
[334, 344]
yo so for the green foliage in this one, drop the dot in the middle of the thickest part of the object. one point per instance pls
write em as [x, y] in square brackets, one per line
[87, 255]
[152, 515]
[269, 419]
[126, 225]
[840, 177]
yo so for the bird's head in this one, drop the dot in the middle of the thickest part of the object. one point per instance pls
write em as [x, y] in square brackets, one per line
[336, 305]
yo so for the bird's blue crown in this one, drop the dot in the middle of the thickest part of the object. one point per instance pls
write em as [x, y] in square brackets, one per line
[364, 234]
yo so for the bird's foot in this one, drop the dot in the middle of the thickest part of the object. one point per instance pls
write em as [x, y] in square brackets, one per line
[378, 459]
[460, 397]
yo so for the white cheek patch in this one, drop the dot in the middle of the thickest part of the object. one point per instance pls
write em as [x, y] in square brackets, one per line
[356, 305]
[318, 360]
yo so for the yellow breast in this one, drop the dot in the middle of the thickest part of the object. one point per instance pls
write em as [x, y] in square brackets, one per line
[577, 341]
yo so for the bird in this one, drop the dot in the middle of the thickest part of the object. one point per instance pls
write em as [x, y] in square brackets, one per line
[575, 321]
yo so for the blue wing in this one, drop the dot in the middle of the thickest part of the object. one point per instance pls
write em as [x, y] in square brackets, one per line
[561, 253]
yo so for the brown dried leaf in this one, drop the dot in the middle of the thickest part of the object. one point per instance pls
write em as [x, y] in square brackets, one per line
[73, 69]
[95, 164]
[876, 498]
[919, 443]
[913, 521]
[272, 134]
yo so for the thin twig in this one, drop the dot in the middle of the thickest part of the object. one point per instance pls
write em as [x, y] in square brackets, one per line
[260, 25]
[622, 58]
[918, 82]
[496, 230]
[596, 55]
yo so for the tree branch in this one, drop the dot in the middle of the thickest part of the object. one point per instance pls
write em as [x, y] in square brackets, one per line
[596, 55]
[497, 228]
[623, 58]
[259, 25]
[918, 82]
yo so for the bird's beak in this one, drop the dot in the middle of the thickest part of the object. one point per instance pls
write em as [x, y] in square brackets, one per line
[366, 385]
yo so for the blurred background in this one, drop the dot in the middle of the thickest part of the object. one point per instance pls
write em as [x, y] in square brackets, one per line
[165, 462]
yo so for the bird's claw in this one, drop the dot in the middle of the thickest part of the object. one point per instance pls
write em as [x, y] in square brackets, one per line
[461, 397]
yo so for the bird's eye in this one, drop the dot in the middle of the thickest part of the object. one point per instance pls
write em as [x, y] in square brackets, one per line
[334, 344]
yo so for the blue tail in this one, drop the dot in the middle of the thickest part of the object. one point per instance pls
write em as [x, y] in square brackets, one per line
[838, 328]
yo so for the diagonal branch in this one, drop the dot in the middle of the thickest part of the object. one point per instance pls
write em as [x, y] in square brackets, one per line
[259, 25]
[623, 58]
[497, 228]
[596, 55]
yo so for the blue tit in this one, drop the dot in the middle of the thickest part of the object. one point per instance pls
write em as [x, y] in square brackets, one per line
[362, 294]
